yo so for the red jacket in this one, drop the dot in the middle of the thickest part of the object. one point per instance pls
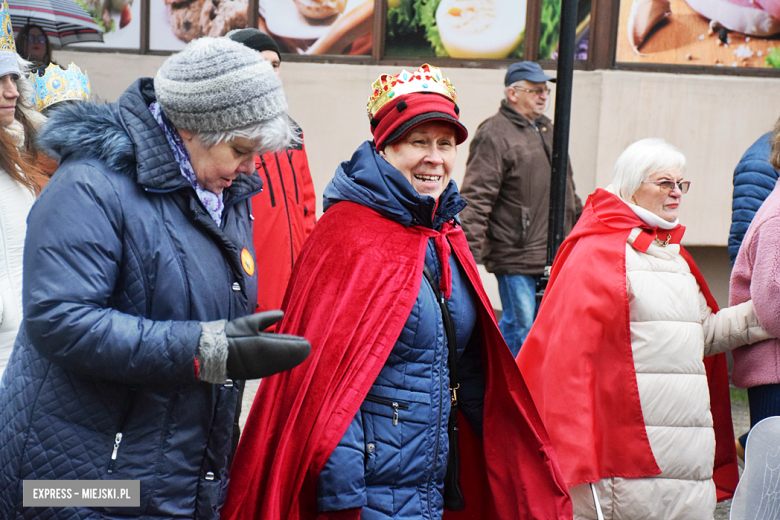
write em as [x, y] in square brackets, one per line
[284, 214]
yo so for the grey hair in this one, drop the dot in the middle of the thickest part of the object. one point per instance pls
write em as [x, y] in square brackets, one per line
[506, 89]
[23, 84]
[270, 135]
[642, 159]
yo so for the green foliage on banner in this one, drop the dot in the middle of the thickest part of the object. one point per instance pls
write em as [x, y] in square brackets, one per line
[428, 19]
[95, 9]
[773, 58]
[550, 28]
[403, 19]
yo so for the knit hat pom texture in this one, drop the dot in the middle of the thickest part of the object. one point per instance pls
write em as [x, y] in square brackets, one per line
[217, 85]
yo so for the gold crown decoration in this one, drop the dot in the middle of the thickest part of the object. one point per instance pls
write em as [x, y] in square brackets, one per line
[7, 42]
[57, 85]
[425, 79]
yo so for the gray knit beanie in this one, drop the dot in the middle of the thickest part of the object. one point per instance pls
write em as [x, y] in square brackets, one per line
[217, 85]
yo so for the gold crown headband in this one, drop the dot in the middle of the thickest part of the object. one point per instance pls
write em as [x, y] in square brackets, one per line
[59, 85]
[425, 79]
[6, 31]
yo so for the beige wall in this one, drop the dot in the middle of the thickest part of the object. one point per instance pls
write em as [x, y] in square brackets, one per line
[712, 119]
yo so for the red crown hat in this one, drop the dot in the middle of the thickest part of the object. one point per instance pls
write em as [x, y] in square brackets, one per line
[401, 102]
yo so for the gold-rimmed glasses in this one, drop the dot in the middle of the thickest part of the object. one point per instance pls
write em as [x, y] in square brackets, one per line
[536, 91]
[669, 185]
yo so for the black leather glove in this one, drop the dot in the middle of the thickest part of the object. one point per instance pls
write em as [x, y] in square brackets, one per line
[254, 354]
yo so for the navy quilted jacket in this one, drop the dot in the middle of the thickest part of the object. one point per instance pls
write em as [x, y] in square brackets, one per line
[121, 264]
[754, 180]
[393, 457]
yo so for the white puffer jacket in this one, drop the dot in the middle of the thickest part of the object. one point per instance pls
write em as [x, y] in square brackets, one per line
[672, 329]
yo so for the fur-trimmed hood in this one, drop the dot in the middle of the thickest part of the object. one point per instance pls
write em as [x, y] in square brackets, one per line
[88, 130]
[94, 130]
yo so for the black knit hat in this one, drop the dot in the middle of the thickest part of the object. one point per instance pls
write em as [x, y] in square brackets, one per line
[255, 39]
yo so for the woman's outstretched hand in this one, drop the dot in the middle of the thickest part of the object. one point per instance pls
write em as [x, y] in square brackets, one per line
[254, 354]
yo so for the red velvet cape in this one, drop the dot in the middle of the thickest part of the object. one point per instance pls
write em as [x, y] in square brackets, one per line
[578, 363]
[351, 292]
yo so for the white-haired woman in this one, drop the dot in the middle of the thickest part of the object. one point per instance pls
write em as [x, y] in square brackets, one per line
[140, 251]
[20, 182]
[623, 388]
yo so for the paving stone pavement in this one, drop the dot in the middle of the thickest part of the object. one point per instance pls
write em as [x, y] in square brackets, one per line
[739, 412]
[246, 403]
[740, 416]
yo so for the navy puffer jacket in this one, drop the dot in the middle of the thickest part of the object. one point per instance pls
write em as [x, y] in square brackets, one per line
[122, 263]
[393, 457]
[754, 180]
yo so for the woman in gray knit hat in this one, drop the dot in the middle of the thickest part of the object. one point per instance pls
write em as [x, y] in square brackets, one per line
[139, 289]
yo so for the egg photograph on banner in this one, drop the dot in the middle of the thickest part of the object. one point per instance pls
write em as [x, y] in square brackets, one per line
[720, 33]
[471, 29]
[475, 29]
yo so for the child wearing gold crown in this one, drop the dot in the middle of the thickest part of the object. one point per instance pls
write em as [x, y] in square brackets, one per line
[20, 181]
[410, 405]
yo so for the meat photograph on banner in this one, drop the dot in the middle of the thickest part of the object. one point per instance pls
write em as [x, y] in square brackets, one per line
[720, 33]
[175, 23]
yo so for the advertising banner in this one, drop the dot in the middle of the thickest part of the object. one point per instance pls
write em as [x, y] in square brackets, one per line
[173, 24]
[342, 27]
[469, 29]
[119, 20]
[720, 33]
[549, 30]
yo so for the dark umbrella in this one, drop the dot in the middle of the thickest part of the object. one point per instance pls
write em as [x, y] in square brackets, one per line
[64, 21]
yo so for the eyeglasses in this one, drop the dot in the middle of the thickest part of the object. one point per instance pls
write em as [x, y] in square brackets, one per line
[669, 185]
[31, 38]
[536, 91]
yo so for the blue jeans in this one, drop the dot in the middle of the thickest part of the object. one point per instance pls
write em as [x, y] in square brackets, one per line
[518, 298]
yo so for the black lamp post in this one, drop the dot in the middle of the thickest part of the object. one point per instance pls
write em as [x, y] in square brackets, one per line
[560, 151]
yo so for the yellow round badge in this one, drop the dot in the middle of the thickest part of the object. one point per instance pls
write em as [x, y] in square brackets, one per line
[247, 262]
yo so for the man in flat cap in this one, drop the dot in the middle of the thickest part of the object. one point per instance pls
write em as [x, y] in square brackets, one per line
[507, 187]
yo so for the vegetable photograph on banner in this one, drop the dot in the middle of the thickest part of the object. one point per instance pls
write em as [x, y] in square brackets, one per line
[119, 20]
[342, 27]
[720, 33]
[549, 30]
[472, 29]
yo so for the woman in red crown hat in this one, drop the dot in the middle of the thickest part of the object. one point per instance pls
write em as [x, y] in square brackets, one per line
[410, 405]
[625, 391]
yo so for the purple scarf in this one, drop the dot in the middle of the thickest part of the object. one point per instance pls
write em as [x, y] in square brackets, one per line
[211, 201]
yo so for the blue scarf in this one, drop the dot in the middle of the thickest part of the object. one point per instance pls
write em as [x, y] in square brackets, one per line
[211, 201]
